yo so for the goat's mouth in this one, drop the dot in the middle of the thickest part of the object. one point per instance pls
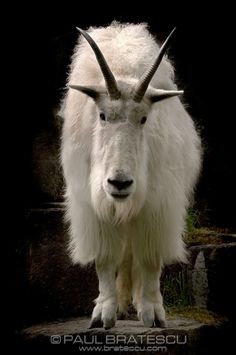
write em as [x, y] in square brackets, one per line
[118, 196]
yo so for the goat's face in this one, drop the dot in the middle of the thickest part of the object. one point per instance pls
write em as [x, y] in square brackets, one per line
[119, 158]
[119, 154]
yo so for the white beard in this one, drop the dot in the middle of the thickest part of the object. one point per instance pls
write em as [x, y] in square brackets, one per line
[116, 212]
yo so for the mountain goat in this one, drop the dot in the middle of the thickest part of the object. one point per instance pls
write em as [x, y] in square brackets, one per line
[131, 157]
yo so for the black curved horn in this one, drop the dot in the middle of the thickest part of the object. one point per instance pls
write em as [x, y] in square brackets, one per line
[143, 83]
[106, 71]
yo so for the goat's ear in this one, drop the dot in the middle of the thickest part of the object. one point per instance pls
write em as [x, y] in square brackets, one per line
[92, 91]
[158, 94]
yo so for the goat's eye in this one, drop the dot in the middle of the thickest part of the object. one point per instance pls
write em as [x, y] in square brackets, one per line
[143, 119]
[102, 117]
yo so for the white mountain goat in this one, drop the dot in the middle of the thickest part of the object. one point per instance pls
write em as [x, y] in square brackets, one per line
[131, 157]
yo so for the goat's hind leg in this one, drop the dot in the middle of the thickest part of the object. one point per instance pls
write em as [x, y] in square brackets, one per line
[124, 284]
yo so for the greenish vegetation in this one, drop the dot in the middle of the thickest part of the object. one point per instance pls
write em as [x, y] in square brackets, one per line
[197, 235]
[193, 220]
[175, 289]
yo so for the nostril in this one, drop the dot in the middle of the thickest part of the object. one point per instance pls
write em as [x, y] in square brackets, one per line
[120, 184]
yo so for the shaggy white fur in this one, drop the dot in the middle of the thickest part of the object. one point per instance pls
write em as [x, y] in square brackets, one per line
[162, 158]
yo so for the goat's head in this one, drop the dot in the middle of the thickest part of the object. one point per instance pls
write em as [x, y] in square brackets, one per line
[119, 164]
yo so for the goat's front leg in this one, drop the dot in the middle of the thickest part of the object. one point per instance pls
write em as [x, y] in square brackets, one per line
[151, 307]
[104, 313]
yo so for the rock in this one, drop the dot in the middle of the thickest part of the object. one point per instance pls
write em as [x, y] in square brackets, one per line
[200, 281]
[211, 271]
[182, 336]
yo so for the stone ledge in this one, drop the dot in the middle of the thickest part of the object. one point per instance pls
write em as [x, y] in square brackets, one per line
[182, 336]
[127, 327]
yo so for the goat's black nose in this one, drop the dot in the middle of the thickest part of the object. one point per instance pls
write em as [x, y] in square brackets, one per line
[120, 184]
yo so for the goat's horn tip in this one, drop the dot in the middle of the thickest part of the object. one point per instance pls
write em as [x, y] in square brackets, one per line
[79, 29]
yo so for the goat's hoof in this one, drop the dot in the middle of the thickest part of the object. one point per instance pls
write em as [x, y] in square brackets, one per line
[153, 315]
[109, 323]
[106, 323]
[148, 320]
[160, 323]
[96, 323]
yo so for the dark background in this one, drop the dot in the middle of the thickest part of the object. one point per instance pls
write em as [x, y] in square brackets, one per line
[202, 53]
